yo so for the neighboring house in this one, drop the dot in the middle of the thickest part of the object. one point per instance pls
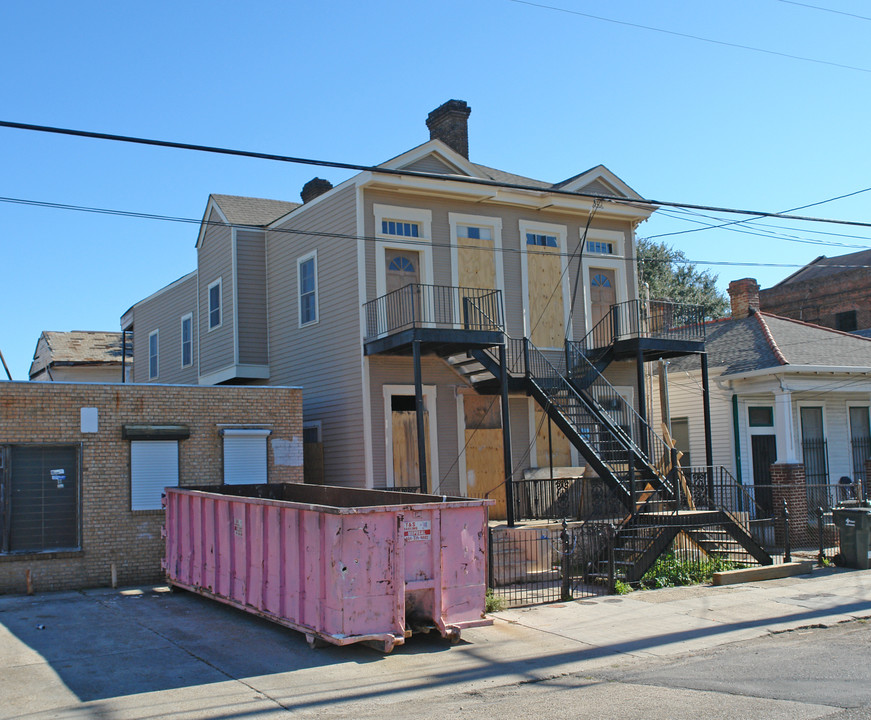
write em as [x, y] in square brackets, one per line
[382, 295]
[831, 291]
[783, 391]
[80, 356]
[83, 467]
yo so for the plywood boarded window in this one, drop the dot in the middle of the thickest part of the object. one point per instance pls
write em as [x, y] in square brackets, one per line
[562, 449]
[485, 464]
[406, 460]
[475, 257]
[546, 309]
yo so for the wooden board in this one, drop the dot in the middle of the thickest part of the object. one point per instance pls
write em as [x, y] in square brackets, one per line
[476, 267]
[562, 453]
[546, 310]
[406, 466]
[485, 462]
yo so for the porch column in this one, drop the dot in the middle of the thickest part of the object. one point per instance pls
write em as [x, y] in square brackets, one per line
[784, 428]
[506, 438]
[706, 402]
[642, 397]
[421, 427]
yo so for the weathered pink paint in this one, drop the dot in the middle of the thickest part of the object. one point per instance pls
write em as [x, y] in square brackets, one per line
[371, 571]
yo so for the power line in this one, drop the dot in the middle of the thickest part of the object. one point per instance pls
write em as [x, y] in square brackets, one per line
[693, 37]
[463, 179]
[394, 240]
[824, 9]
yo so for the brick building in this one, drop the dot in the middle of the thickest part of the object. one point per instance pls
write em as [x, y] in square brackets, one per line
[833, 292]
[82, 468]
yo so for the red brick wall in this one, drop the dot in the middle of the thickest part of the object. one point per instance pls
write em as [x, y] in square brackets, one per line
[818, 301]
[788, 481]
[40, 413]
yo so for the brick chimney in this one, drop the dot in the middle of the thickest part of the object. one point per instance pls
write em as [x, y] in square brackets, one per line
[450, 124]
[744, 294]
[314, 187]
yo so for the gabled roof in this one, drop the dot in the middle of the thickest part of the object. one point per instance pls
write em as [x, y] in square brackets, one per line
[824, 266]
[257, 212]
[78, 347]
[763, 340]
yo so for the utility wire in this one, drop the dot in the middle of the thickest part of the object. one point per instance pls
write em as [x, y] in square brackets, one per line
[463, 179]
[824, 9]
[693, 37]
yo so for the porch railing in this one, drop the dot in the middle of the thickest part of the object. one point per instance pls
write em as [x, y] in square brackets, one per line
[436, 306]
[647, 319]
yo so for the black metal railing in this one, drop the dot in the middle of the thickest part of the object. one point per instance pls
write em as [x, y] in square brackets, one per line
[576, 498]
[815, 454]
[437, 306]
[861, 450]
[647, 319]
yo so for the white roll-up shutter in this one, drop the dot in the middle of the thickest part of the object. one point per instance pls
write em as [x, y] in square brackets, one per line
[153, 467]
[245, 456]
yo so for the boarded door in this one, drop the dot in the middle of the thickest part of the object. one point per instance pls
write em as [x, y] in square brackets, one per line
[485, 463]
[476, 261]
[546, 309]
[562, 453]
[406, 465]
[603, 294]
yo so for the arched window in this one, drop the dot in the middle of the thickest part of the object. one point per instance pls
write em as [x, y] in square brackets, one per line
[401, 264]
[600, 280]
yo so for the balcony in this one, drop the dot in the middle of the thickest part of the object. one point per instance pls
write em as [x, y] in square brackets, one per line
[656, 328]
[445, 319]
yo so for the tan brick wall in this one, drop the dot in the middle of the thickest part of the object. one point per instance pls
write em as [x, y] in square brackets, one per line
[42, 413]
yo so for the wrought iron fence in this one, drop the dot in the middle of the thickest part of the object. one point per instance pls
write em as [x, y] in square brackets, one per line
[861, 450]
[438, 306]
[573, 498]
[649, 319]
[536, 565]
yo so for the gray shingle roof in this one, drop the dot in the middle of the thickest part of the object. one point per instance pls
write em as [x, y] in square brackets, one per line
[85, 346]
[742, 345]
[252, 211]
[824, 266]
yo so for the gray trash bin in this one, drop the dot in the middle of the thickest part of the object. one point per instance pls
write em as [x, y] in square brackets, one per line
[854, 533]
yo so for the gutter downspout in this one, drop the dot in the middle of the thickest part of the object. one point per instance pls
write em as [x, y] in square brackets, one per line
[737, 438]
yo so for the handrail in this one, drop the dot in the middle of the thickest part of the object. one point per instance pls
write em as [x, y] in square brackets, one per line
[657, 455]
[661, 319]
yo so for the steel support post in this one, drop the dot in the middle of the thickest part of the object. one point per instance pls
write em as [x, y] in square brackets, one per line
[419, 410]
[506, 437]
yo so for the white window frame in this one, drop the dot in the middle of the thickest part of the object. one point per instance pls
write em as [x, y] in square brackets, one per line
[300, 261]
[422, 244]
[220, 285]
[261, 474]
[849, 437]
[493, 223]
[189, 317]
[146, 483]
[561, 232]
[615, 261]
[155, 356]
[430, 404]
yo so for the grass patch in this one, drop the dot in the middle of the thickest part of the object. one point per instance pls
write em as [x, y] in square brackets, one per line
[672, 571]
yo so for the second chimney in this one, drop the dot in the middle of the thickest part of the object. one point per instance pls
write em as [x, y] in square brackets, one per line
[450, 124]
[744, 294]
[315, 187]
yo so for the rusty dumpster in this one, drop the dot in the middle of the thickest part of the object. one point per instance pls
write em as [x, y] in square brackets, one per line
[341, 565]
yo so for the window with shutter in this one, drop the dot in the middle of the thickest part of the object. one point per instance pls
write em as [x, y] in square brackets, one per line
[153, 467]
[245, 456]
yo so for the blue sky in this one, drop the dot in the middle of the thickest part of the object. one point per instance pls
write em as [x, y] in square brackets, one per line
[552, 94]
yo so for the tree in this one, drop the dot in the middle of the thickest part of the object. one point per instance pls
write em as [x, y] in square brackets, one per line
[671, 276]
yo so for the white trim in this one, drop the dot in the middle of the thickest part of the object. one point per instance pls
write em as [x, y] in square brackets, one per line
[600, 172]
[561, 232]
[220, 283]
[383, 242]
[849, 405]
[253, 432]
[430, 405]
[154, 465]
[210, 205]
[494, 223]
[234, 273]
[157, 293]
[187, 316]
[762, 429]
[433, 147]
[368, 459]
[615, 262]
[254, 372]
[313, 255]
[197, 321]
[156, 335]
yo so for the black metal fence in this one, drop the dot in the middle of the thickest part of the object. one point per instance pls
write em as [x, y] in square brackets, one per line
[439, 306]
[650, 319]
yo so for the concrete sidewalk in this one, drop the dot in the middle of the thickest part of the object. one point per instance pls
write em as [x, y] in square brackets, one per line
[147, 653]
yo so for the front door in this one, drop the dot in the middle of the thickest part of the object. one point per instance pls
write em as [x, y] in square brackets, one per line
[406, 458]
[603, 294]
[402, 268]
[485, 462]
[764, 448]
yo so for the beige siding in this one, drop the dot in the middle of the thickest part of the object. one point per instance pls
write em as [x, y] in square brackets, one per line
[431, 164]
[251, 297]
[324, 358]
[518, 414]
[163, 312]
[215, 260]
[511, 243]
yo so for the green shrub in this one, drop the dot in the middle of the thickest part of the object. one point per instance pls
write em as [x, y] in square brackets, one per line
[622, 588]
[671, 571]
[492, 602]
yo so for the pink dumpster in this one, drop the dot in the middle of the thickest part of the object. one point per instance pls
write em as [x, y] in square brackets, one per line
[341, 565]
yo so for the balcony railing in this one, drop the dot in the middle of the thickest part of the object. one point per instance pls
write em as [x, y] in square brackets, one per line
[434, 306]
[647, 319]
